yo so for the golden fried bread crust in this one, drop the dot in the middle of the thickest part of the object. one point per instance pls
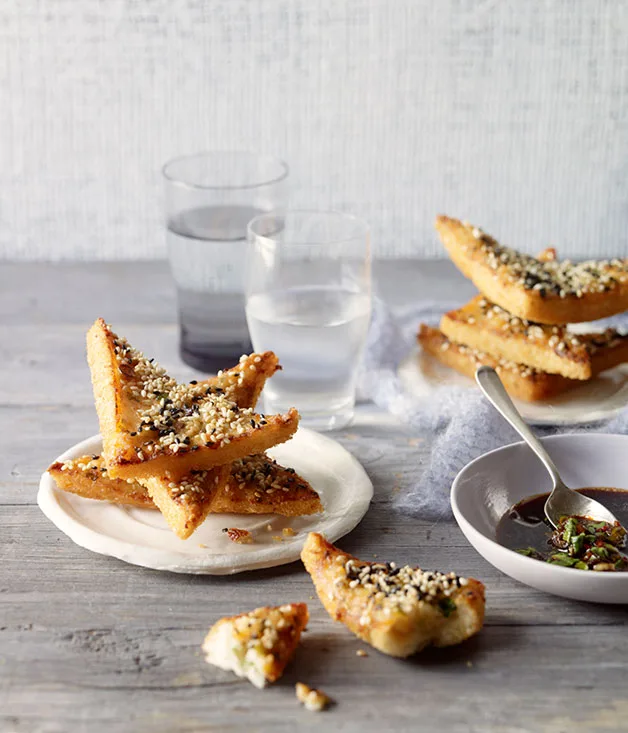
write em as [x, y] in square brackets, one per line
[152, 426]
[259, 644]
[399, 611]
[608, 349]
[186, 502]
[524, 383]
[488, 328]
[546, 291]
[87, 476]
[255, 485]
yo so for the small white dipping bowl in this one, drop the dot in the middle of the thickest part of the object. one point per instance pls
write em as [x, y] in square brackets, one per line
[487, 488]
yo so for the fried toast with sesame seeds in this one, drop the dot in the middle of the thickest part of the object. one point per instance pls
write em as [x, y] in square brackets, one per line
[151, 425]
[484, 326]
[257, 645]
[524, 383]
[399, 611]
[255, 485]
[488, 328]
[606, 349]
[537, 289]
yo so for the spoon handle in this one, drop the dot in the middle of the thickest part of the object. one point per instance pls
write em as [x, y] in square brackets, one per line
[492, 386]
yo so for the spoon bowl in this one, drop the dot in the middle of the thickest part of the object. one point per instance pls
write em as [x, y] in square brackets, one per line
[563, 501]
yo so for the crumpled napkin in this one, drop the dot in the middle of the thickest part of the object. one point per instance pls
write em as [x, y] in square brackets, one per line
[459, 423]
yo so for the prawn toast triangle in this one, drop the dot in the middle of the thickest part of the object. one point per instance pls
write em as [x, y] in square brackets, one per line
[255, 485]
[151, 425]
[536, 289]
[524, 383]
[399, 611]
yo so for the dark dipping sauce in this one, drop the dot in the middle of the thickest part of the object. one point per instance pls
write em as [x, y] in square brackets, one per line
[524, 526]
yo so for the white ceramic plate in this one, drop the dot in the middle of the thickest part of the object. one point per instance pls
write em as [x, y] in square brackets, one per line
[141, 536]
[488, 486]
[598, 399]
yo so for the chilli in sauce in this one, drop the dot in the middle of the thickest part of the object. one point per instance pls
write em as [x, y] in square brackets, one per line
[577, 542]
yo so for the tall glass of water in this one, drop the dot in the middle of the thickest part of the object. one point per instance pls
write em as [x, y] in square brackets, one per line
[210, 199]
[308, 299]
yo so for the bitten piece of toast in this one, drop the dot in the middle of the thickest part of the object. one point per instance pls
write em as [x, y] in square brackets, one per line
[545, 291]
[152, 426]
[257, 645]
[524, 383]
[255, 485]
[399, 611]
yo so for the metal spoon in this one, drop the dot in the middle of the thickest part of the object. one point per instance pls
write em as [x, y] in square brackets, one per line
[563, 501]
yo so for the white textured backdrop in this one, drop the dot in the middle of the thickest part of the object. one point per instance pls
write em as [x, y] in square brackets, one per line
[511, 113]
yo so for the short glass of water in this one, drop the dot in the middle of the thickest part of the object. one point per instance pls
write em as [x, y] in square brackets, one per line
[210, 199]
[308, 299]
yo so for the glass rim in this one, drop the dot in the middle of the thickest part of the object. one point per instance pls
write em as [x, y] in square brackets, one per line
[285, 170]
[321, 212]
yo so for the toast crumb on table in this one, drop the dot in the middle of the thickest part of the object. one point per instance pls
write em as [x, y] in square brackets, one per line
[313, 700]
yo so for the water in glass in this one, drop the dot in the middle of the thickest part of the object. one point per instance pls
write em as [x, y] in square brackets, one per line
[206, 247]
[320, 332]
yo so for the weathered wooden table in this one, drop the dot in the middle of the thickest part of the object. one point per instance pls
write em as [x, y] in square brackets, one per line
[88, 643]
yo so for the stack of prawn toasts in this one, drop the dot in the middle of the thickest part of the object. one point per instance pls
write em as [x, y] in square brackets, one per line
[518, 324]
[186, 449]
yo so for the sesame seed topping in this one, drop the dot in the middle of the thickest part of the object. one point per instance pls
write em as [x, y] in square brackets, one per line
[398, 588]
[564, 279]
[178, 417]
[264, 629]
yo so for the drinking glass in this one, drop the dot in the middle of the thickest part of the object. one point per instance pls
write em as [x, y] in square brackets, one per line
[210, 199]
[308, 299]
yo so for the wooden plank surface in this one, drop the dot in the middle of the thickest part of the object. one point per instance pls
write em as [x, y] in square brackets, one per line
[88, 643]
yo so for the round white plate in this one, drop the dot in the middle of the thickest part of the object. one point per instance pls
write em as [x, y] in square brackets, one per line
[598, 399]
[487, 488]
[141, 536]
